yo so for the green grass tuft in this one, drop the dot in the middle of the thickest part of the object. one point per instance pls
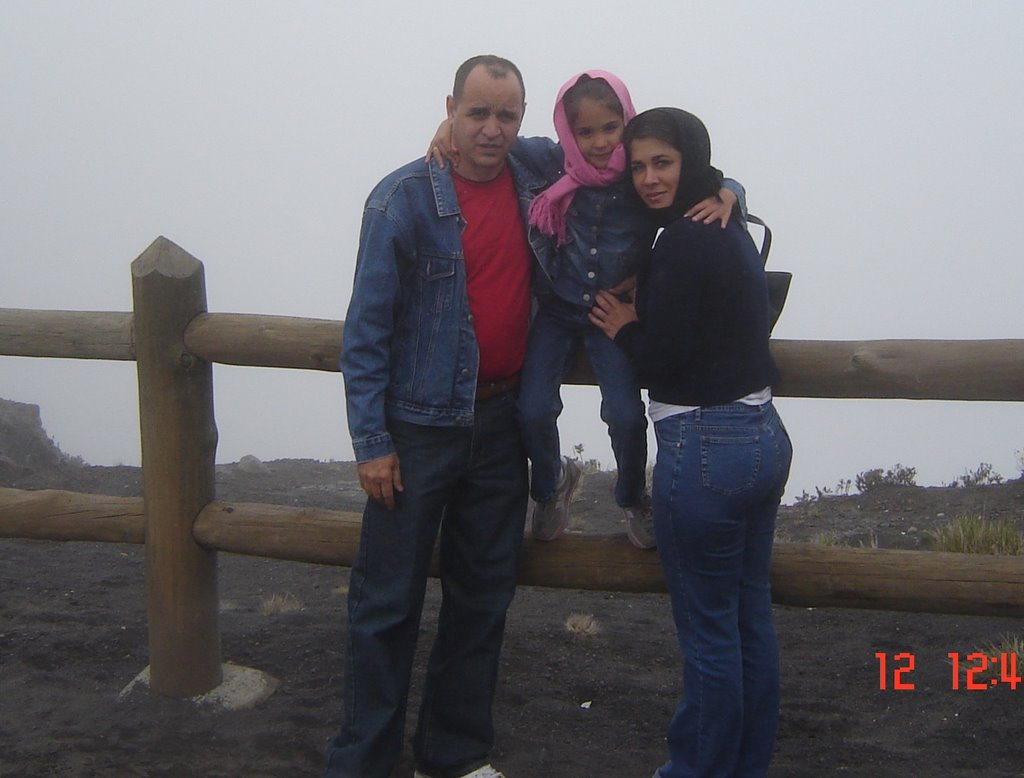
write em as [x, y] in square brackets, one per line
[968, 534]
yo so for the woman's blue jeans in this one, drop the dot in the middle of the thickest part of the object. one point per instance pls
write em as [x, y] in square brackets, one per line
[718, 481]
[555, 328]
[470, 485]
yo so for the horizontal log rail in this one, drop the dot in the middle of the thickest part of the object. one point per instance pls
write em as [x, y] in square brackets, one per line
[901, 369]
[67, 334]
[990, 370]
[803, 574]
[265, 341]
[52, 514]
[174, 340]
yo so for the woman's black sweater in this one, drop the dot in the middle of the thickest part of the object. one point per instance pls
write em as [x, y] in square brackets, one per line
[702, 301]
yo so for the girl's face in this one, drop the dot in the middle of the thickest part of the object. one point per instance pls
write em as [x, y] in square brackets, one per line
[598, 131]
[655, 167]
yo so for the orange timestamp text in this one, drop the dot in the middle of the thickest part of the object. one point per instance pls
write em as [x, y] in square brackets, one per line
[977, 671]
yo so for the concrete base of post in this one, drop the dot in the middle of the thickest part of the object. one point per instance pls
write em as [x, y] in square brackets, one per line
[242, 687]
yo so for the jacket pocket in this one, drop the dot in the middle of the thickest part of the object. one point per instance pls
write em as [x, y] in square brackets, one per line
[434, 267]
[435, 281]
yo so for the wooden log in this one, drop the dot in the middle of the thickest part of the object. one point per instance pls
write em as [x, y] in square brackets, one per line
[810, 575]
[73, 334]
[280, 532]
[802, 574]
[603, 563]
[888, 369]
[883, 369]
[902, 369]
[805, 575]
[179, 443]
[265, 341]
[52, 514]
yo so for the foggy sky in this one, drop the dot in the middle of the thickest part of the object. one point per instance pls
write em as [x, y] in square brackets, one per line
[880, 140]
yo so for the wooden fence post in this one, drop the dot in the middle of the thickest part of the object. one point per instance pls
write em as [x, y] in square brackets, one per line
[179, 443]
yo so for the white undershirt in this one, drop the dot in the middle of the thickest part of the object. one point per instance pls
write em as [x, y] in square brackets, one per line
[659, 411]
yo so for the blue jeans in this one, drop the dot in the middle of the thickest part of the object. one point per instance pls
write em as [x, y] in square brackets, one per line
[469, 484]
[556, 327]
[718, 481]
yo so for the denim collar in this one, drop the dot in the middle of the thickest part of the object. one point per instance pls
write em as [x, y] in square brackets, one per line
[447, 201]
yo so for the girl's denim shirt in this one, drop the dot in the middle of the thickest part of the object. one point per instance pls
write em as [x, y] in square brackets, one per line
[409, 349]
[607, 233]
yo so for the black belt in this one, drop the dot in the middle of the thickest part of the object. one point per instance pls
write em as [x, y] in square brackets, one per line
[485, 390]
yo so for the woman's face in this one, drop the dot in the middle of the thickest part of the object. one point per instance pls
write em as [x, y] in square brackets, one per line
[655, 167]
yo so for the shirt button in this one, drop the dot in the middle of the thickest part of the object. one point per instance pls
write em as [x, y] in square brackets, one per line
[469, 318]
[591, 274]
[586, 297]
[465, 371]
[593, 252]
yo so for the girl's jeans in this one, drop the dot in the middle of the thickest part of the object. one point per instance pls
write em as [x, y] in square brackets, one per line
[556, 327]
[718, 482]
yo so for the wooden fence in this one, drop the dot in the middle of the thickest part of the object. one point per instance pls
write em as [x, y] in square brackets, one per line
[174, 341]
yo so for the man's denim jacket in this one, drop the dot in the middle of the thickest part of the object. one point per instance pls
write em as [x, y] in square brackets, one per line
[410, 351]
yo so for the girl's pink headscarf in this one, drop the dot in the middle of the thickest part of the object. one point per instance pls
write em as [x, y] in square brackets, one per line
[548, 209]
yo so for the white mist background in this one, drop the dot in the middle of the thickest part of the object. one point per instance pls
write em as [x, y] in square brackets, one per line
[880, 140]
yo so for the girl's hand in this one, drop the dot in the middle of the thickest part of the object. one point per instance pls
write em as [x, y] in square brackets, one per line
[441, 147]
[611, 314]
[714, 208]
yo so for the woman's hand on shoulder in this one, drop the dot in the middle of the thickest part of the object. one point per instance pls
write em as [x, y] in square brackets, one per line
[716, 208]
[610, 314]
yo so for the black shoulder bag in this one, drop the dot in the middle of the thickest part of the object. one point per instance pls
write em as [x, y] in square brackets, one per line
[778, 280]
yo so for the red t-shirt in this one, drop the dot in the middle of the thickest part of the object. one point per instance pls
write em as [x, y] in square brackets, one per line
[498, 265]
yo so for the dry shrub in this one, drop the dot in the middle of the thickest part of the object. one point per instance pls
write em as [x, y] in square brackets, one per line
[828, 538]
[1007, 644]
[280, 603]
[583, 624]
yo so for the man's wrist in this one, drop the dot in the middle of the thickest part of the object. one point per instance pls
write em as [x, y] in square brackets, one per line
[373, 447]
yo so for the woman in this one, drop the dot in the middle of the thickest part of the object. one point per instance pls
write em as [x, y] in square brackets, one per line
[699, 340]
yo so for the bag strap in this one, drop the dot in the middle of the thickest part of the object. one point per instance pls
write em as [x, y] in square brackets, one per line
[766, 241]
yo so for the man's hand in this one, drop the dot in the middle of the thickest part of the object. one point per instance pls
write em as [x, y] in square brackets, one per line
[714, 208]
[381, 478]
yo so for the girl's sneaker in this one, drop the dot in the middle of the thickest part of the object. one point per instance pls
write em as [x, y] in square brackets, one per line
[640, 525]
[551, 518]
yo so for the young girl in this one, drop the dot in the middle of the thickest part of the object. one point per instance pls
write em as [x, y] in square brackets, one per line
[597, 233]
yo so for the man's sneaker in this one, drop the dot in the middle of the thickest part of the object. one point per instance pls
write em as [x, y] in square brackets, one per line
[481, 772]
[640, 524]
[552, 517]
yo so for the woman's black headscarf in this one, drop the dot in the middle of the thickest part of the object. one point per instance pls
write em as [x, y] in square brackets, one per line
[688, 135]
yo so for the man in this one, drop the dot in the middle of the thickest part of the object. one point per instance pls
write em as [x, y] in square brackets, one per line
[434, 339]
